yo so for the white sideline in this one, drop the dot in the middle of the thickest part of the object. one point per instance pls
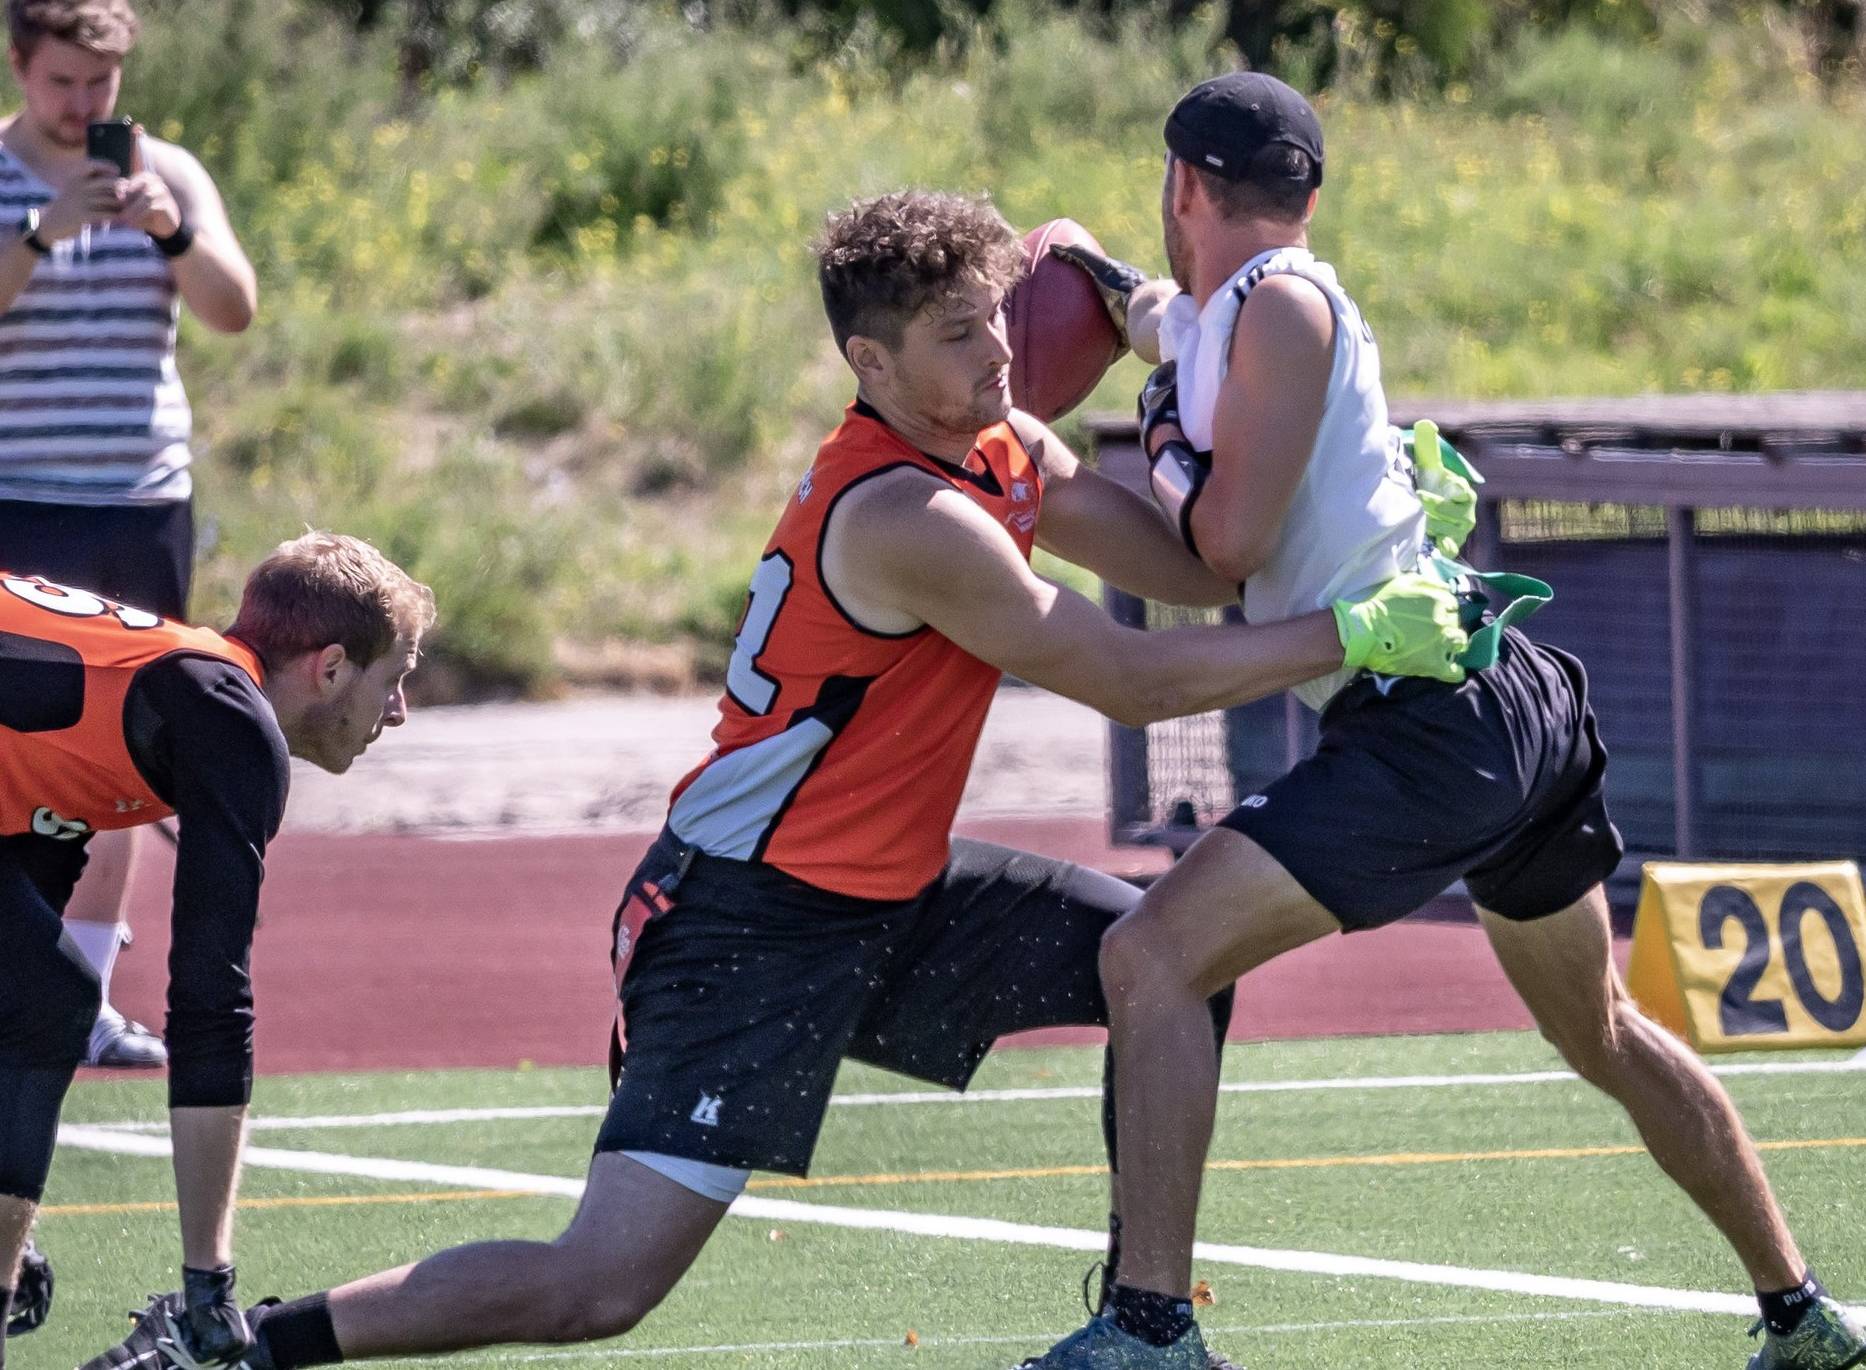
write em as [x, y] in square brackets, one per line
[962, 1228]
[411, 1117]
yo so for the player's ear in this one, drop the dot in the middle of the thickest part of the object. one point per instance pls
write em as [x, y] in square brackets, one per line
[329, 667]
[1181, 185]
[867, 358]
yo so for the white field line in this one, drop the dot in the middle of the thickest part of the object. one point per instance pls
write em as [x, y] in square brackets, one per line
[1033, 1340]
[966, 1229]
[414, 1117]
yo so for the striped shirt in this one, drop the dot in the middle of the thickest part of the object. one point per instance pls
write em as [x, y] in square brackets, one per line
[91, 407]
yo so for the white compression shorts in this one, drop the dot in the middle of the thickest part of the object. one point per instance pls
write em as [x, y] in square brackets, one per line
[720, 1183]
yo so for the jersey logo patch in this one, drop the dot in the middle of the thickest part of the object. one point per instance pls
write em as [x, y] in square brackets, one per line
[46, 823]
[706, 1112]
[806, 485]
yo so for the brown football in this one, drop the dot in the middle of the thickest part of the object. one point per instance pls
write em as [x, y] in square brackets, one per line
[1062, 340]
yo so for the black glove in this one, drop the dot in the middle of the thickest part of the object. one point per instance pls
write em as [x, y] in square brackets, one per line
[1159, 404]
[1116, 280]
[213, 1328]
[32, 1299]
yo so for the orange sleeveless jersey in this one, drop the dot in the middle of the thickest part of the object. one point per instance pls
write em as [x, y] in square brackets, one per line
[841, 752]
[67, 659]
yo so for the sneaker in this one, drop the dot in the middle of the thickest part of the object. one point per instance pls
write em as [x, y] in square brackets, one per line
[32, 1297]
[1096, 1278]
[119, 1043]
[1828, 1337]
[155, 1342]
[1103, 1346]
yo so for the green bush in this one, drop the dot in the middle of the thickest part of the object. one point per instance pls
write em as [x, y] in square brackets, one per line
[504, 330]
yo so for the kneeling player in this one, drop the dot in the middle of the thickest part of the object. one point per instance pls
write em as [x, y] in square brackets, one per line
[111, 717]
[805, 903]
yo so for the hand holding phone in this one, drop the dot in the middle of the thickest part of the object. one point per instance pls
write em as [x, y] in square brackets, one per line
[113, 140]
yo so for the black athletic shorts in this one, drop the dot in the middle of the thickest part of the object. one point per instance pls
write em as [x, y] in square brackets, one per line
[1417, 784]
[746, 988]
[141, 555]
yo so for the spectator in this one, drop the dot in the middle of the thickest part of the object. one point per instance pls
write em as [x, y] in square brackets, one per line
[95, 488]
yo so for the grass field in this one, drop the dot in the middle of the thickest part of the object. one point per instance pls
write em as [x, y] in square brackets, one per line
[1337, 1163]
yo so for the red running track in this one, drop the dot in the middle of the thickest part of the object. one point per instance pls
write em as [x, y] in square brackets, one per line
[415, 953]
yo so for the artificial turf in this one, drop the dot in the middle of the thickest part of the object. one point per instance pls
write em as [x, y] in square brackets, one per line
[1430, 1174]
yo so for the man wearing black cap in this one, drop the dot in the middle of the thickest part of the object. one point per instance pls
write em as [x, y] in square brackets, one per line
[1266, 429]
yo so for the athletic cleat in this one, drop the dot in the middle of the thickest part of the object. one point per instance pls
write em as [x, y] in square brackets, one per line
[1097, 1277]
[1103, 1346]
[155, 1342]
[117, 1043]
[1829, 1337]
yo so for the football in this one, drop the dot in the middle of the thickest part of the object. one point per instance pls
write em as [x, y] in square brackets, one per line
[1062, 340]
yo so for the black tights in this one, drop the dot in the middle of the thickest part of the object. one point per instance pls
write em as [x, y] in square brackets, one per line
[49, 997]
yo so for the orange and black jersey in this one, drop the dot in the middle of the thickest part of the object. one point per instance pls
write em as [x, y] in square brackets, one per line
[841, 752]
[111, 717]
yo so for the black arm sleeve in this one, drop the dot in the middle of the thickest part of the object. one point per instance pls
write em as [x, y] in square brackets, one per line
[205, 737]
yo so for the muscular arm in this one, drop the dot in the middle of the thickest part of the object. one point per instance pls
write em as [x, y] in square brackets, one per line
[923, 551]
[1106, 528]
[1268, 413]
[1146, 310]
[205, 738]
[214, 277]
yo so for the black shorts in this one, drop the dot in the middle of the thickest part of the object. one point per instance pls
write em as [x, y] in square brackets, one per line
[1417, 784]
[141, 555]
[37, 875]
[747, 989]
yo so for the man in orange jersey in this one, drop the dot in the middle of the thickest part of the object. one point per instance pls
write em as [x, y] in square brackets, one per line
[111, 716]
[806, 903]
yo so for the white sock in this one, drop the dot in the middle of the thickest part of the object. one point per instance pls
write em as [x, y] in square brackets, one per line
[100, 943]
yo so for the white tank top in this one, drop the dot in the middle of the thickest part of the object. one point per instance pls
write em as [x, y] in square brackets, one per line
[1356, 519]
[92, 410]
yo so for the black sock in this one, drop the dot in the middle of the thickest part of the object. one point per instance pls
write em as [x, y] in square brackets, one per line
[1157, 1319]
[296, 1334]
[1783, 1310]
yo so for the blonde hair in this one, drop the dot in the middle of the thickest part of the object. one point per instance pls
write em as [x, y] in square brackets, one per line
[105, 27]
[325, 588]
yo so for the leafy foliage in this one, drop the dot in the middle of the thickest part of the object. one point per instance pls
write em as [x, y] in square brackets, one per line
[551, 330]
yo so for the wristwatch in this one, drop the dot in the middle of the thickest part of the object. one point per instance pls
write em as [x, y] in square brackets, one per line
[29, 233]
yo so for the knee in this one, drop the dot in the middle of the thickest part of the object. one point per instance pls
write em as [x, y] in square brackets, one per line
[1596, 1047]
[63, 1010]
[590, 1300]
[1135, 966]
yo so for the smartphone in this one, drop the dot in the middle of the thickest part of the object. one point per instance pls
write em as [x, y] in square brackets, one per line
[111, 141]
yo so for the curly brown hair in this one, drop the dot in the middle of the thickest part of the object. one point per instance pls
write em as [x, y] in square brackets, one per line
[881, 261]
[105, 27]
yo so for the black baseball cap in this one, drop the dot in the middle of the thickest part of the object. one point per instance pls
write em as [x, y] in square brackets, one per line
[1222, 124]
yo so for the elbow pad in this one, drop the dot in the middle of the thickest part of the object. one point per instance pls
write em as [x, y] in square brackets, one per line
[1178, 475]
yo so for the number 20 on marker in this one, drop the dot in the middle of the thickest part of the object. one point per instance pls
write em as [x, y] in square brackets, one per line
[1738, 957]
